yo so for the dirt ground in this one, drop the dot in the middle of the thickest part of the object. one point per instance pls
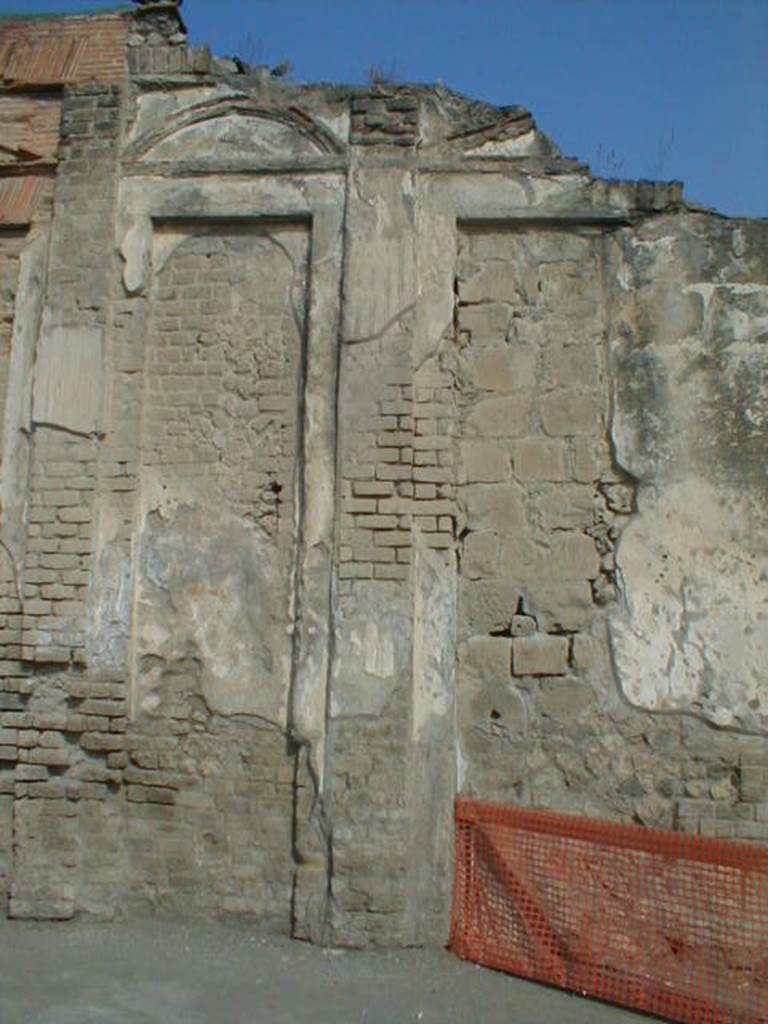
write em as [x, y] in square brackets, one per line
[160, 972]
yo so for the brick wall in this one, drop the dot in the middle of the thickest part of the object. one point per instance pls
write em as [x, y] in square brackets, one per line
[62, 50]
[30, 123]
[219, 426]
[61, 753]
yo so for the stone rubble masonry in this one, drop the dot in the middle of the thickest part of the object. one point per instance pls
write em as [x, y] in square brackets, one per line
[346, 466]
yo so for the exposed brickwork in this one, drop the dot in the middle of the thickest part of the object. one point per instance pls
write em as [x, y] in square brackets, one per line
[208, 817]
[388, 116]
[222, 367]
[371, 823]
[434, 486]
[62, 50]
[58, 559]
[404, 481]
[30, 127]
[221, 372]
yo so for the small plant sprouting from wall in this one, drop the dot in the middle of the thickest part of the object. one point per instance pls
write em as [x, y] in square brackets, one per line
[380, 73]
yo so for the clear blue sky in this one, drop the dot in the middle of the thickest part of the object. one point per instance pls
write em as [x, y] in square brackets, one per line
[637, 88]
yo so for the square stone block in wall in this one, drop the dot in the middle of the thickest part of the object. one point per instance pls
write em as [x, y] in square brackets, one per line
[480, 556]
[539, 458]
[540, 655]
[487, 656]
[481, 283]
[572, 556]
[504, 368]
[485, 323]
[495, 507]
[484, 462]
[566, 605]
[501, 417]
[568, 413]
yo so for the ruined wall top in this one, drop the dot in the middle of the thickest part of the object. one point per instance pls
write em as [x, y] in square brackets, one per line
[145, 46]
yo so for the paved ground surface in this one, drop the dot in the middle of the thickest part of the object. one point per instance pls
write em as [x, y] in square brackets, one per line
[151, 972]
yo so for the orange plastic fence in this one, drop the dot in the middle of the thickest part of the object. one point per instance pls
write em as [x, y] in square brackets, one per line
[662, 922]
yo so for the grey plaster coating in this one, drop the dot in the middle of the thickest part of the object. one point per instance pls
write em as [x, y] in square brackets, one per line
[359, 450]
[18, 404]
[690, 378]
[211, 599]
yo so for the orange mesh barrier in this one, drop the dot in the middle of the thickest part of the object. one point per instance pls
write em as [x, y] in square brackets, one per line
[662, 922]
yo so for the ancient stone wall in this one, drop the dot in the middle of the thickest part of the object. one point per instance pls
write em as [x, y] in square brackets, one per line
[358, 450]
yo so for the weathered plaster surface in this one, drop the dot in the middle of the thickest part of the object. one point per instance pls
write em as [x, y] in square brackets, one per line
[690, 383]
[211, 599]
[18, 403]
[693, 635]
[69, 379]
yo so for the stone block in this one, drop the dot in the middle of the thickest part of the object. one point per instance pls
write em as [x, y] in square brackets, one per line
[31, 773]
[486, 281]
[391, 572]
[520, 558]
[571, 365]
[567, 413]
[523, 625]
[150, 794]
[355, 571]
[487, 656]
[751, 830]
[498, 507]
[500, 417]
[41, 908]
[567, 606]
[505, 368]
[53, 757]
[486, 323]
[540, 655]
[539, 458]
[371, 488]
[487, 606]
[571, 556]
[68, 378]
[587, 652]
[484, 462]
[102, 742]
[619, 498]
[565, 506]
[480, 556]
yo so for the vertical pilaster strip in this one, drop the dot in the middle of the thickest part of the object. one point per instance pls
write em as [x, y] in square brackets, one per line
[70, 723]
